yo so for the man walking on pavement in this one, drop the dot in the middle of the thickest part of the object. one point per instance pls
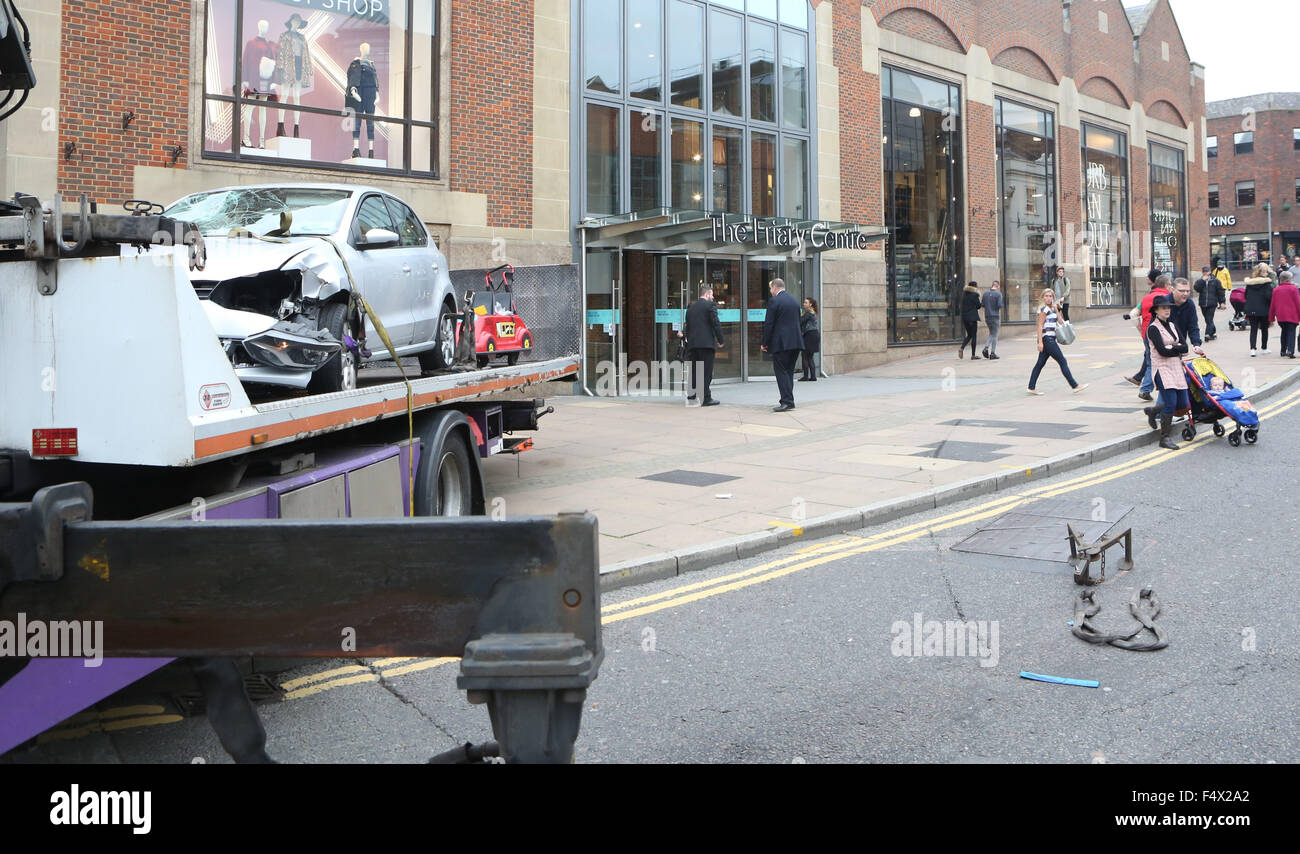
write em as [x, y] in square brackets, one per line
[703, 339]
[992, 301]
[781, 338]
[1211, 297]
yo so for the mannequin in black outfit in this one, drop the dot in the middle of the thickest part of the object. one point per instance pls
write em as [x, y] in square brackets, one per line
[362, 94]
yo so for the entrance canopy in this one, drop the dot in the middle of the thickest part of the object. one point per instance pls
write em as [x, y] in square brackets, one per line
[670, 230]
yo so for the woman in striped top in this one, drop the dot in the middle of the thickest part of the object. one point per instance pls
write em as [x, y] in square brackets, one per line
[1047, 346]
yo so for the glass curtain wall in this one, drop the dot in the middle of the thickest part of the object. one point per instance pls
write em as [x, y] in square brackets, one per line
[1168, 209]
[1026, 158]
[924, 200]
[1105, 179]
[695, 105]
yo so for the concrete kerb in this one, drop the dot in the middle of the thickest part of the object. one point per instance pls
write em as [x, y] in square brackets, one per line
[680, 561]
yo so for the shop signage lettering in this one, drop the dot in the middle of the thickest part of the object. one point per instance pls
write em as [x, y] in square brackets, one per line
[1221, 221]
[1167, 223]
[375, 11]
[766, 233]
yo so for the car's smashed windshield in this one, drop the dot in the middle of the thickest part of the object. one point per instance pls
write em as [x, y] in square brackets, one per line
[314, 211]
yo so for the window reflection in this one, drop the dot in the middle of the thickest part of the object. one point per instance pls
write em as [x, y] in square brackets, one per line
[643, 135]
[644, 53]
[1168, 209]
[686, 54]
[601, 37]
[1105, 179]
[725, 50]
[762, 72]
[923, 205]
[687, 164]
[763, 186]
[1027, 191]
[794, 80]
[728, 169]
[794, 201]
[602, 159]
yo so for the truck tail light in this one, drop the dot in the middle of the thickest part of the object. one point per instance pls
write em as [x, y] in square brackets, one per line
[54, 442]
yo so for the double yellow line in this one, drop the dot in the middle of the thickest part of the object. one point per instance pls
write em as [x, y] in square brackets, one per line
[836, 550]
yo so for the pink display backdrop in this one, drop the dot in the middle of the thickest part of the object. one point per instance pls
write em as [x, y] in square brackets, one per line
[334, 40]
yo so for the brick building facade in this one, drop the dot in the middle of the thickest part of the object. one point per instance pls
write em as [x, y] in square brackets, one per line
[505, 170]
[1267, 171]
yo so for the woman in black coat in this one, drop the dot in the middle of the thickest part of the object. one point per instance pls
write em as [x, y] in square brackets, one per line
[970, 318]
[812, 339]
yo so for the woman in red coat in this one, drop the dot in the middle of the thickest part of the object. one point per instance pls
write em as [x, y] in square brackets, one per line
[1285, 309]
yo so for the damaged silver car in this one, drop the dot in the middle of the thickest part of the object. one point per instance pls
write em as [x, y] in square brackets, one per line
[286, 265]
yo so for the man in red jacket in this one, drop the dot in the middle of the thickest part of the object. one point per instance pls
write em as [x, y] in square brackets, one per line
[1285, 309]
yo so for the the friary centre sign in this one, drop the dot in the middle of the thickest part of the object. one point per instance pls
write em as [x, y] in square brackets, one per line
[778, 234]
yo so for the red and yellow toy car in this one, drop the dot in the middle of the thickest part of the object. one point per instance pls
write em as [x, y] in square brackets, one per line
[498, 328]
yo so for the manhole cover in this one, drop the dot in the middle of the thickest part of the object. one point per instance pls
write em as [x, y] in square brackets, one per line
[1037, 532]
[690, 478]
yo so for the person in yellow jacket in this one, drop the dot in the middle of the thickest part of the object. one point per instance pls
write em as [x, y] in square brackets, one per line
[1221, 273]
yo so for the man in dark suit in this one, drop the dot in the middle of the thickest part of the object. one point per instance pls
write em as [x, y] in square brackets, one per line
[781, 338]
[703, 337]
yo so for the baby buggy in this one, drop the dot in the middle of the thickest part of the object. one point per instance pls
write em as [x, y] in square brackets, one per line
[1238, 300]
[1214, 398]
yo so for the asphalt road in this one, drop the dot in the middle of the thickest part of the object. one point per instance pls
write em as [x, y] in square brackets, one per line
[793, 657]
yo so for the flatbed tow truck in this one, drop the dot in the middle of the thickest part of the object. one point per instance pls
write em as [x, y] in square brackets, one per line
[141, 486]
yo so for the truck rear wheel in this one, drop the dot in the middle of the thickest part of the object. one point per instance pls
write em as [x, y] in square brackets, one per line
[444, 482]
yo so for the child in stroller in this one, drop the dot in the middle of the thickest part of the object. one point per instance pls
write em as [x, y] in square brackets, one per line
[1238, 300]
[1213, 398]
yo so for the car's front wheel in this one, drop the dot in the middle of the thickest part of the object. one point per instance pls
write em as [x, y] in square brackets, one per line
[340, 372]
[443, 354]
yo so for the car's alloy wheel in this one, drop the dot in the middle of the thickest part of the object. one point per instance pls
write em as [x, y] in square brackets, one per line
[340, 372]
[442, 355]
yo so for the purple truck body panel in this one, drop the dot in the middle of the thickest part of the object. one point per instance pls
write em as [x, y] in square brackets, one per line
[50, 690]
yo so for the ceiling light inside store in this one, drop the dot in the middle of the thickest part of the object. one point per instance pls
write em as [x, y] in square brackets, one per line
[1038, 139]
[915, 112]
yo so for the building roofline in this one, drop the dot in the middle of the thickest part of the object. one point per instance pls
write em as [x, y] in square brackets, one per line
[1260, 103]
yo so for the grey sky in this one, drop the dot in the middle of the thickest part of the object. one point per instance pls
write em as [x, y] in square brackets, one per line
[1246, 46]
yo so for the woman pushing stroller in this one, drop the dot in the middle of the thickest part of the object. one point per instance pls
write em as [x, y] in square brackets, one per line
[1167, 371]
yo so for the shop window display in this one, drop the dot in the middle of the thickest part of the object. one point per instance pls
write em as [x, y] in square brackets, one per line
[348, 84]
[1026, 158]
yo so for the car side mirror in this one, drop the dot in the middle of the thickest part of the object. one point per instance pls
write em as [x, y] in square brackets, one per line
[377, 237]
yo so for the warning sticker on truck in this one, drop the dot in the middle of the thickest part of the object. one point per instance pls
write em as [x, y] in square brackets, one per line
[216, 396]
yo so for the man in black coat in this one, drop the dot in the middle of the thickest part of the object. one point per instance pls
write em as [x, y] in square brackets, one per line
[703, 337]
[781, 338]
[1210, 297]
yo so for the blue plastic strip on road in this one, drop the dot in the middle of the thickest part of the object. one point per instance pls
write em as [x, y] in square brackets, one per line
[1060, 680]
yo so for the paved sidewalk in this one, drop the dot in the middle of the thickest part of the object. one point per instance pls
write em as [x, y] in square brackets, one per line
[661, 476]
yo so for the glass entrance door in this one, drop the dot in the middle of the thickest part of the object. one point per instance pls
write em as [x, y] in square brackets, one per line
[673, 294]
[603, 322]
[724, 274]
[761, 272]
